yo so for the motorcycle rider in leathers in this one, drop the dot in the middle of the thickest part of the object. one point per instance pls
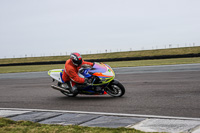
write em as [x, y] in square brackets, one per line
[70, 74]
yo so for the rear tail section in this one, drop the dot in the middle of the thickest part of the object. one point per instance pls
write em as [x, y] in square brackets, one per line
[56, 74]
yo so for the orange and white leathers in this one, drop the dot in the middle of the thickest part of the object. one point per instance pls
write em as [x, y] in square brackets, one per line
[71, 73]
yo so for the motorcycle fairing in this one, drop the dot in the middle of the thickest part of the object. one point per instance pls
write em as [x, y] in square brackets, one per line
[90, 90]
[103, 72]
[56, 74]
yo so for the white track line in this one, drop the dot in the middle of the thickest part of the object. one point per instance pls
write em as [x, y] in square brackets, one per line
[103, 113]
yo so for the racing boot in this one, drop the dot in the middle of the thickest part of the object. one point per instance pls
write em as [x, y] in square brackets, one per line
[72, 87]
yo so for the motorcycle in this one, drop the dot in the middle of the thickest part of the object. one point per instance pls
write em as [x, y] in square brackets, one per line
[102, 78]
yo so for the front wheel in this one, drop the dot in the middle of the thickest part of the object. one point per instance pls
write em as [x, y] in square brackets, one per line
[115, 89]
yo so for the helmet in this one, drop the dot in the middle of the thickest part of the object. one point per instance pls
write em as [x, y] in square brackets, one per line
[76, 59]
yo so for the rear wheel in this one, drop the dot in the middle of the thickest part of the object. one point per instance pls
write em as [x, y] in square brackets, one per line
[69, 94]
[115, 89]
[65, 93]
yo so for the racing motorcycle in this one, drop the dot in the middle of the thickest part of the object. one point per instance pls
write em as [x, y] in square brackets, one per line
[102, 78]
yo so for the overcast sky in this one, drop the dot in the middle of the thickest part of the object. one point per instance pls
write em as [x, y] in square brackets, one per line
[54, 27]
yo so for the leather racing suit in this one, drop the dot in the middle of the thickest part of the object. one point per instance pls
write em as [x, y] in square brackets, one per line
[70, 73]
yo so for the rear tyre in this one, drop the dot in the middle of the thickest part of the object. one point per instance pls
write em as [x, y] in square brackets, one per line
[115, 89]
[65, 93]
[69, 94]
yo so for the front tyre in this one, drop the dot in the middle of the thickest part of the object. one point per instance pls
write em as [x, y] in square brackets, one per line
[115, 89]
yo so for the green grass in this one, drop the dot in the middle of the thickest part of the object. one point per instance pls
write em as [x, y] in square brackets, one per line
[29, 68]
[9, 126]
[35, 68]
[155, 62]
[173, 51]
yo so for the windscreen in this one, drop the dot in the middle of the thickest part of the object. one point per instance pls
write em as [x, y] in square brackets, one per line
[98, 68]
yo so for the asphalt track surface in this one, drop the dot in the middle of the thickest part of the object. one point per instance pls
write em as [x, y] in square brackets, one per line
[157, 90]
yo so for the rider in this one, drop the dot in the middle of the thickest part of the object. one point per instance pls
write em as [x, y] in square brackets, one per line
[70, 74]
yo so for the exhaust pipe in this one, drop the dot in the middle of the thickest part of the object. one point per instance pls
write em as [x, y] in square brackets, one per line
[59, 88]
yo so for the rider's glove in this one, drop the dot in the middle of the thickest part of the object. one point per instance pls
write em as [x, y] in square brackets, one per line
[81, 70]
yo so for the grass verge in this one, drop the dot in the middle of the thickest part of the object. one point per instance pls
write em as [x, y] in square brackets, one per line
[159, 52]
[9, 126]
[36, 68]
